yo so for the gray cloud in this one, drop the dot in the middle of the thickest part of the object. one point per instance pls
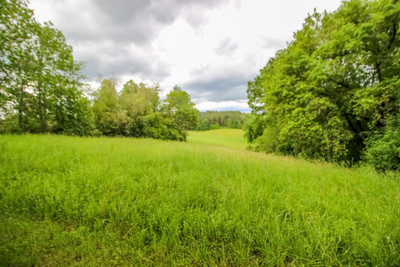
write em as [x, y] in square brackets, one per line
[122, 61]
[100, 30]
[224, 88]
[226, 47]
[137, 21]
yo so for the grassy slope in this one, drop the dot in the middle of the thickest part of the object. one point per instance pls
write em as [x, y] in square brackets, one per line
[233, 138]
[109, 201]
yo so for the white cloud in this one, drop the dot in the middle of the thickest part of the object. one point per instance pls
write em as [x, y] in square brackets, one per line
[209, 47]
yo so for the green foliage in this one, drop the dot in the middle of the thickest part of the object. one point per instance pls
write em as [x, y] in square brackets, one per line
[215, 126]
[105, 108]
[268, 141]
[204, 125]
[333, 88]
[225, 119]
[179, 107]
[74, 116]
[233, 124]
[254, 127]
[383, 150]
[124, 201]
[135, 112]
[161, 127]
[39, 79]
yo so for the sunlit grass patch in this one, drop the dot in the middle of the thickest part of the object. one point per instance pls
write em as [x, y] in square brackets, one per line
[233, 138]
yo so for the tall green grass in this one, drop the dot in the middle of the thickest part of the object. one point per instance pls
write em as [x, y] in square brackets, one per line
[119, 201]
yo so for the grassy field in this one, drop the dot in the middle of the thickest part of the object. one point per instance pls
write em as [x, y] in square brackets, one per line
[119, 201]
[232, 138]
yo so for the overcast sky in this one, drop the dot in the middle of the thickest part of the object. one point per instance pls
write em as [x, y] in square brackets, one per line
[211, 48]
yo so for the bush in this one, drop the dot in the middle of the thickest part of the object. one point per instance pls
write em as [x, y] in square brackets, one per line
[383, 150]
[268, 141]
[215, 126]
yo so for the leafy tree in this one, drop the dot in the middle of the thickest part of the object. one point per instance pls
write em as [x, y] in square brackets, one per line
[133, 112]
[56, 74]
[180, 108]
[74, 114]
[135, 102]
[39, 79]
[333, 89]
[105, 108]
[16, 65]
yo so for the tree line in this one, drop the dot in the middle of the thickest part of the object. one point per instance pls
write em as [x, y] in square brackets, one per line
[41, 89]
[334, 92]
[215, 119]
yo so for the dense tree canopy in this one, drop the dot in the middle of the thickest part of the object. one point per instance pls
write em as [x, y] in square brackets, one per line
[333, 93]
[136, 111]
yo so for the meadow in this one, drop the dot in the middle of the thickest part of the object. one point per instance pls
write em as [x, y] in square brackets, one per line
[123, 201]
[232, 138]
